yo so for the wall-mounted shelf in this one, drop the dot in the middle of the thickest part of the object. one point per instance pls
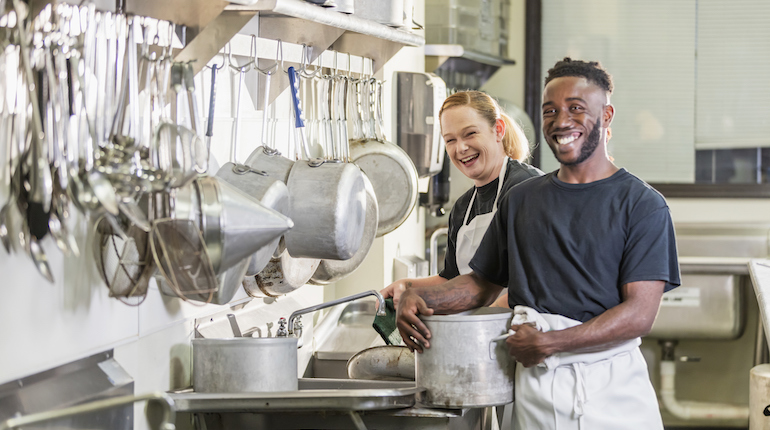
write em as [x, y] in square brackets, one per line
[299, 22]
[453, 62]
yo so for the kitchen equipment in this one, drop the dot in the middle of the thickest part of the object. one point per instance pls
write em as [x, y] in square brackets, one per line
[418, 99]
[326, 201]
[245, 365]
[438, 190]
[283, 273]
[385, 363]
[265, 187]
[464, 367]
[235, 225]
[387, 166]
[190, 275]
[333, 270]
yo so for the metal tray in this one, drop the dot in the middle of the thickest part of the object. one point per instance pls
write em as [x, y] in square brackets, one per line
[315, 394]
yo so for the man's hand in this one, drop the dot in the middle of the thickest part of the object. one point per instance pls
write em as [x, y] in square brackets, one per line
[395, 290]
[413, 331]
[528, 345]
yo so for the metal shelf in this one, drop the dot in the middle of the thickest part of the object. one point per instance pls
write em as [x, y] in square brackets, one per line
[458, 51]
[451, 62]
[317, 14]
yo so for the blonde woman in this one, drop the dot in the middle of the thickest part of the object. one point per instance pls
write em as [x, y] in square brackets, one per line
[489, 148]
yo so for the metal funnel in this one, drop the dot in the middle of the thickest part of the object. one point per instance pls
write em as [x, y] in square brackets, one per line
[268, 190]
[234, 224]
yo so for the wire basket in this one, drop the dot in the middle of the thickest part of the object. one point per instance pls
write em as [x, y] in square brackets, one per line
[182, 259]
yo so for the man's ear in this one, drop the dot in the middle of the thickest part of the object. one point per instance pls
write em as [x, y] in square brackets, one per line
[608, 115]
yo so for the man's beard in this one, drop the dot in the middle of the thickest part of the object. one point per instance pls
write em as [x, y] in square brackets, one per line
[588, 148]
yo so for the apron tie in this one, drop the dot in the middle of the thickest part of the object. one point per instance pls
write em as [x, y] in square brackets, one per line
[580, 392]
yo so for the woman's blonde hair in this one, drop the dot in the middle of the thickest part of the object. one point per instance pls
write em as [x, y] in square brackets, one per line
[515, 143]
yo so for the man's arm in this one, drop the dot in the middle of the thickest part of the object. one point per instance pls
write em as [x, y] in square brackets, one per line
[456, 295]
[628, 320]
[397, 288]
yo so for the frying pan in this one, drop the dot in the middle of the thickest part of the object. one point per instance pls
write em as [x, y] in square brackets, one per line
[389, 168]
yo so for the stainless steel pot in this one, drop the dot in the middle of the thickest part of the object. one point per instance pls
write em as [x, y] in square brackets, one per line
[333, 270]
[464, 367]
[326, 202]
[245, 365]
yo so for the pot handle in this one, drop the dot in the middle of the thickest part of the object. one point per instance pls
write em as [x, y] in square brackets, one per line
[495, 340]
[299, 122]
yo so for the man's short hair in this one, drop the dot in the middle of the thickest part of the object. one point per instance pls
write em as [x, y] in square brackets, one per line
[591, 70]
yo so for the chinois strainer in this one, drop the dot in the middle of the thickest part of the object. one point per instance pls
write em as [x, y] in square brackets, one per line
[182, 258]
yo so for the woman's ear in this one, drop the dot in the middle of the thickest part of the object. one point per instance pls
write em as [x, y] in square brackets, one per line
[500, 129]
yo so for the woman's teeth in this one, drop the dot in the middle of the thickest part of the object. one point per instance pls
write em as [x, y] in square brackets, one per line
[563, 140]
[467, 159]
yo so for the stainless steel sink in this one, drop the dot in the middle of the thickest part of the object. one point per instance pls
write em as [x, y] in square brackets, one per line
[324, 404]
[344, 331]
[313, 395]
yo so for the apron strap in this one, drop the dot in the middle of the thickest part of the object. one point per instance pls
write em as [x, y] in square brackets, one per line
[581, 394]
[501, 177]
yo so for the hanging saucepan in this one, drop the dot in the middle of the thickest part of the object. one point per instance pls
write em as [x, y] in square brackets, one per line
[267, 188]
[333, 270]
[327, 201]
[388, 167]
[283, 273]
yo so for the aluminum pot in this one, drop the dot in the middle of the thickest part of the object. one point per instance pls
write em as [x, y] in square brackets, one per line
[334, 270]
[245, 365]
[464, 367]
[327, 201]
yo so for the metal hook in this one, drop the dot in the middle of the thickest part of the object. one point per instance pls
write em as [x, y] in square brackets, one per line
[309, 54]
[279, 55]
[253, 50]
[350, 66]
[232, 63]
[254, 60]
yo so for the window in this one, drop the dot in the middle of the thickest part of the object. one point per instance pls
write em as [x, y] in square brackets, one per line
[692, 91]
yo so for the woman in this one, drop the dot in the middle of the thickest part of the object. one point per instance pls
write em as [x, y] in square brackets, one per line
[484, 144]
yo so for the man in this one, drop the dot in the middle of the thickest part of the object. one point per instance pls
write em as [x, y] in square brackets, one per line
[589, 247]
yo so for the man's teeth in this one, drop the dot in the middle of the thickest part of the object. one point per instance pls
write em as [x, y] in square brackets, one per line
[563, 140]
[467, 159]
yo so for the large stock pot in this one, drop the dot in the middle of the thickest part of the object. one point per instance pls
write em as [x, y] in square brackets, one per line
[464, 367]
[245, 365]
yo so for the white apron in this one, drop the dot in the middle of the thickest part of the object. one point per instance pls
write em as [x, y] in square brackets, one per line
[469, 236]
[605, 390]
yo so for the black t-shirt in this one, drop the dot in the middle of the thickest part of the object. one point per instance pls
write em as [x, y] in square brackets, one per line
[485, 199]
[568, 249]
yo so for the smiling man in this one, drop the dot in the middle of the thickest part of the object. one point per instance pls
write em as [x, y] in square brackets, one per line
[591, 249]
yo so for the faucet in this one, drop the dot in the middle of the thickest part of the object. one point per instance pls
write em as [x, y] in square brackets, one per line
[296, 314]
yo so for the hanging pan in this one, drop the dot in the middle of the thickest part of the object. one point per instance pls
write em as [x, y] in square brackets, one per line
[327, 201]
[333, 270]
[389, 168]
[266, 187]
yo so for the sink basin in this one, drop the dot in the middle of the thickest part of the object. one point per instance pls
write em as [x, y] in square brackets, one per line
[343, 332]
